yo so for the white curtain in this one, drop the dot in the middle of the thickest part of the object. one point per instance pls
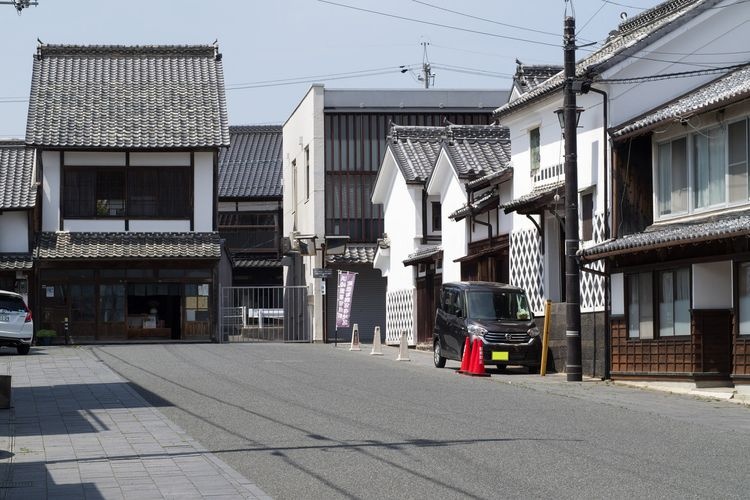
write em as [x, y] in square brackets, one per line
[744, 299]
[666, 305]
[682, 302]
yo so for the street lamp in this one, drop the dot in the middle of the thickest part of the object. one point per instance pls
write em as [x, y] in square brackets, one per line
[560, 112]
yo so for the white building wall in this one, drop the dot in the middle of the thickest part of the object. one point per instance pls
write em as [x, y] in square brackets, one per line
[400, 221]
[94, 225]
[305, 129]
[14, 229]
[176, 159]
[203, 198]
[455, 233]
[162, 226]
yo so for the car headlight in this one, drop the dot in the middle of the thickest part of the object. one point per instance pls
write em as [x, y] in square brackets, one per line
[477, 330]
[533, 331]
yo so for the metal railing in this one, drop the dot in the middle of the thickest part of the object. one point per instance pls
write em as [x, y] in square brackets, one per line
[264, 314]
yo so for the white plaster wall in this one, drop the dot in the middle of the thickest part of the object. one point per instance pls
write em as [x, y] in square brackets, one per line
[94, 158]
[203, 196]
[160, 226]
[305, 129]
[176, 159]
[51, 190]
[94, 225]
[248, 206]
[14, 230]
[712, 285]
[452, 196]
[400, 223]
[716, 31]
[505, 224]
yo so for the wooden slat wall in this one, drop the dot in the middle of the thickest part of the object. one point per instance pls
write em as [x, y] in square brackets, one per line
[741, 356]
[674, 356]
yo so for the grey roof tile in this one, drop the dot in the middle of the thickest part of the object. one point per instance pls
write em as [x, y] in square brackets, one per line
[251, 167]
[416, 150]
[478, 150]
[530, 76]
[15, 261]
[475, 150]
[537, 195]
[726, 89]
[423, 254]
[16, 176]
[631, 36]
[250, 261]
[90, 245]
[111, 96]
[355, 253]
[727, 225]
[485, 202]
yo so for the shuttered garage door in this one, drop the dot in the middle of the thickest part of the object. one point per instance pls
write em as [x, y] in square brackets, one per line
[368, 305]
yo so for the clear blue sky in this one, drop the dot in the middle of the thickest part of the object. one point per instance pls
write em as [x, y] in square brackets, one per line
[306, 39]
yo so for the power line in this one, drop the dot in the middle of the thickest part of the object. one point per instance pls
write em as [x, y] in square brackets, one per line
[440, 25]
[624, 5]
[590, 19]
[668, 76]
[487, 20]
[329, 76]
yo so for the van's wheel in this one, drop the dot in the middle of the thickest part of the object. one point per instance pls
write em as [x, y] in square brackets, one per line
[437, 352]
[23, 349]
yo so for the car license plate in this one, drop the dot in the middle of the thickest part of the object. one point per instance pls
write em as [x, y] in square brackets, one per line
[5, 318]
[500, 356]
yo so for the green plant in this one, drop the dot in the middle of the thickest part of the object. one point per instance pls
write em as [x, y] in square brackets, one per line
[46, 333]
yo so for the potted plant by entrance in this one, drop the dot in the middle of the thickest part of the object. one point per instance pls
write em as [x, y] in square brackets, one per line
[44, 337]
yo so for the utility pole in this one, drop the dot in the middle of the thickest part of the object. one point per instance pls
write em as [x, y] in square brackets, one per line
[573, 367]
[19, 4]
[426, 68]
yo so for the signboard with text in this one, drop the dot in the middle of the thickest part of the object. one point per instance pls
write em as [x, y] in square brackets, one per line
[344, 295]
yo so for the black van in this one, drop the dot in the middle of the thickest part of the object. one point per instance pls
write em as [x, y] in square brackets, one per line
[497, 314]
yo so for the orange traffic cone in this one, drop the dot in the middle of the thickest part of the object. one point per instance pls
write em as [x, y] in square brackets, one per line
[477, 367]
[466, 359]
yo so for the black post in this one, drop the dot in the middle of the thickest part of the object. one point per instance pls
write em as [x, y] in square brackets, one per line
[573, 367]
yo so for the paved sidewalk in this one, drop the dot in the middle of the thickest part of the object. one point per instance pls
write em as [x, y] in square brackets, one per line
[78, 430]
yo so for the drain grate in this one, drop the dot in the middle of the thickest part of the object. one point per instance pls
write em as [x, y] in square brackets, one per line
[15, 484]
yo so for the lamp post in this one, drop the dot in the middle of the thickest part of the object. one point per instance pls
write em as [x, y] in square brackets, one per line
[569, 118]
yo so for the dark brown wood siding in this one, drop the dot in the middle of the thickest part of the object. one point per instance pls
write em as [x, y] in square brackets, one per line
[355, 144]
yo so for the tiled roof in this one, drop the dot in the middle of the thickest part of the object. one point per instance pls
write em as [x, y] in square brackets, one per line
[15, 261]
[489, 179]
[355, 253]
[16, 176]
[723, 90]
[111, 96]
[423, 254]
[251, 166]
[249, 261]
[534, 198]
[416, 150]
[487, 201]
[722, 226]
[475, 150]
[631, 36]
[89, 245]
[478, 150]
[529, 76]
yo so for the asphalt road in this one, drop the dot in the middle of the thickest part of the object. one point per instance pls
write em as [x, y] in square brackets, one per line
[316, 422]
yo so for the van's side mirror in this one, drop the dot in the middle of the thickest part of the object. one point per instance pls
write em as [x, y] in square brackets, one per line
[459, 313]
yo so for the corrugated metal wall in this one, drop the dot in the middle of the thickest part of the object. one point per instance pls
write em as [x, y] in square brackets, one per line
[368, 305]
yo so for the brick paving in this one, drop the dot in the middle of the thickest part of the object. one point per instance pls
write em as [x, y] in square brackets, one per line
[76, 430]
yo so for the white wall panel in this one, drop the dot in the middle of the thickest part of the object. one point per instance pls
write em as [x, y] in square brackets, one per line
[204, 192]
[95, 158]
[14, 232]
[160, 226]
[712, 285]
[94, 225]
[51, 191]
[617, 297]
[161, 159]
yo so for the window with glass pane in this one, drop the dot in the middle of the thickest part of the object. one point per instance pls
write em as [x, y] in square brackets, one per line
[534, 145]
[159, 192]
[673, 177]
[737, 178]
[79, 192]
[111, 303]
[744, 293]
[640, 306]
[709, 168]
[674, 303]
[82, 302]
[587, 216]
[110, 193]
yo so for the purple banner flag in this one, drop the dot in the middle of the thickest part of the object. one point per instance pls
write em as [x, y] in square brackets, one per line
[344, 295]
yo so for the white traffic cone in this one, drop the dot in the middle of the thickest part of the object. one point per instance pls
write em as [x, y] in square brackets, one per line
[376, 350]
[403, 349]
[355, 338]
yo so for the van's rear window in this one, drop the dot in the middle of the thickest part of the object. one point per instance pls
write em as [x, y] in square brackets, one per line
[10, 303]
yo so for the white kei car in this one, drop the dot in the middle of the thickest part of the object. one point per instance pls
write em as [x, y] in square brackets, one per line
[16, 323]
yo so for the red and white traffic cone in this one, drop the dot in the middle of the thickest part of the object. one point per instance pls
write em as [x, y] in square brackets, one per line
[466, 358]
[477, 368]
